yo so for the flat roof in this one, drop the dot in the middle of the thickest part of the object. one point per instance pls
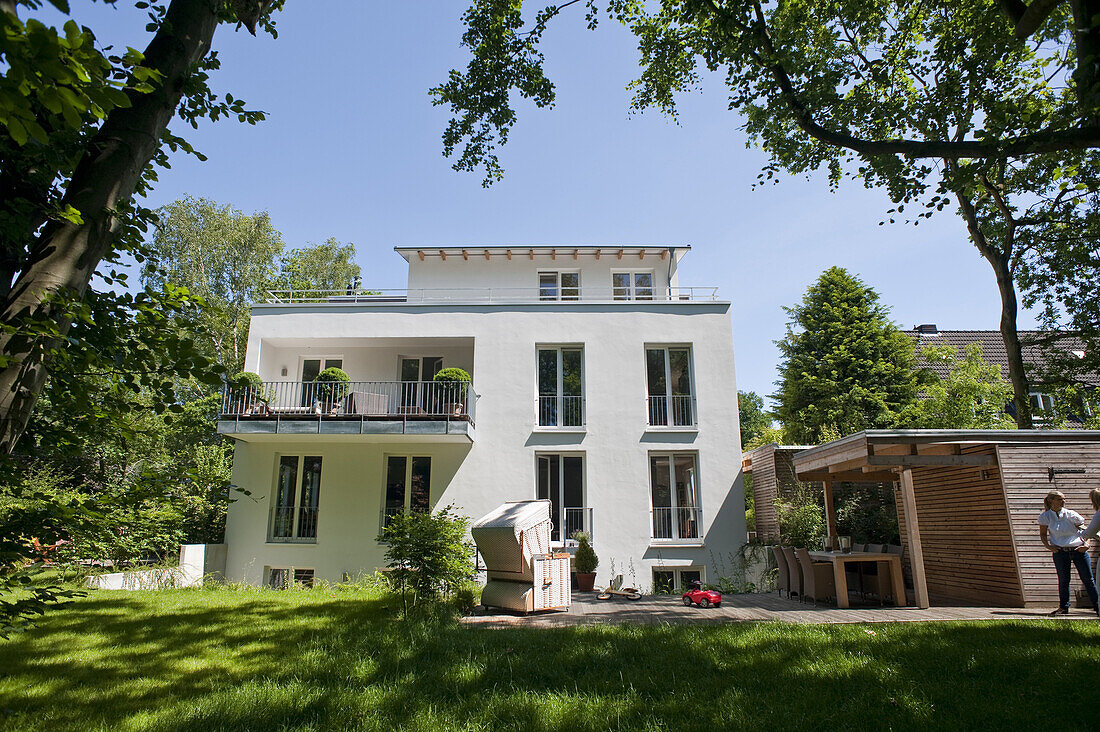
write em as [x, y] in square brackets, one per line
[618, 251]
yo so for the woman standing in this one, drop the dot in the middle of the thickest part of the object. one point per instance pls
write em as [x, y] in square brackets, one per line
[1060, 532]
[1093, 529]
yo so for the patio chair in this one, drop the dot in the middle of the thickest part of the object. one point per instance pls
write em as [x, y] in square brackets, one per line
[783, 580]
[795, 571]
[817, 577]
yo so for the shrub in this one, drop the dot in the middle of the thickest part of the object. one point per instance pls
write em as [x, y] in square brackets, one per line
[428, 553]
[331, 385]
[801, 519]
[585, 560]
[451, 375]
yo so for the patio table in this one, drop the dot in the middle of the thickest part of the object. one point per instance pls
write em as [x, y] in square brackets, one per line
[839, 559]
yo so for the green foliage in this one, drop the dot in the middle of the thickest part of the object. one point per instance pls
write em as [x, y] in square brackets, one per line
[584, 559]
[428, 553]
[846, 367]
[866, 512]
[452, 375]
[973, 396]
[801, 518]
[325, 267]
[755, 422]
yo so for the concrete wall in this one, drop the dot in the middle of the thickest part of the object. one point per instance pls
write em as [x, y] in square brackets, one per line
[501, 464]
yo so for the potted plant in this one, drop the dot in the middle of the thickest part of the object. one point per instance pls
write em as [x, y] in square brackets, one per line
[585, 562]
[250, 393]
[452, 386]
[330, 388]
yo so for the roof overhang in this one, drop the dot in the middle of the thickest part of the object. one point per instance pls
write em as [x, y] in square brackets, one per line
[877, 455]
[563, 253]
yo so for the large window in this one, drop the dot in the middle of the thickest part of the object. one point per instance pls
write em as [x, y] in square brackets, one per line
[311, 367]
[632, 285]
[561, 480]
[559, 285]
[668, 378]
[561, 387]
[408, 485]
[674, 492]
[416, 394]
[297, 493]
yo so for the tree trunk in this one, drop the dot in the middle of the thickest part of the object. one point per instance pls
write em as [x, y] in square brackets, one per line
[66, 255]
[999, 260]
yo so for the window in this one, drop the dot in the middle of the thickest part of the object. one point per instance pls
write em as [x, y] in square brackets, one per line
[674, 493]
[294, 512]
[561, 479]
[561, 390]
[667, 581]
[632, 285]
[408, 485]
[559, 285]
[668, 378]
[415, 393]
[1040, 402]
[280, 578]
[311, 367]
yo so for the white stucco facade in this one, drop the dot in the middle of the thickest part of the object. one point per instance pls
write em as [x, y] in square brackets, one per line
[497, 457]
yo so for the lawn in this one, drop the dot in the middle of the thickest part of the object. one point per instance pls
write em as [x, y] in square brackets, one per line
[340, 659]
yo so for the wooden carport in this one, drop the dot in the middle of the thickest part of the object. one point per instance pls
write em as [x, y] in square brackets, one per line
[967, 502]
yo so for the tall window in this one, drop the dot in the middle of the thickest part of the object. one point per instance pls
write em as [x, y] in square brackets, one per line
[311, 367]
[674, 492]
[408, 485]
[294, 511]
[415, 393]
[632, 285]
[561, 387]
[561, 480]
[668, 377]
[559, 285]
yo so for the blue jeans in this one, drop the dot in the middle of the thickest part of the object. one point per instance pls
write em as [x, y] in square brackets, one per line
[1062, 559]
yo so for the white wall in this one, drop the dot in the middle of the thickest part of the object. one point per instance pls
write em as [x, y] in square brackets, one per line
[501, 464]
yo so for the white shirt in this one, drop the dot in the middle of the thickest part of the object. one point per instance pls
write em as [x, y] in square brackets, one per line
[1093, 529]
[1063, 527]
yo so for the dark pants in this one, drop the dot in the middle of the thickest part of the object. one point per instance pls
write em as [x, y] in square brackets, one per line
[1062, 559]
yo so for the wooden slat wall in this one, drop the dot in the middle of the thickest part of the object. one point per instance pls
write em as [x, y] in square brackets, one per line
[764, 493]
[965, 534]
[1026, 482]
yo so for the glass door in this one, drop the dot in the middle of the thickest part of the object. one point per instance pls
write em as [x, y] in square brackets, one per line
[415, 370]
[311, 367]
[561, 480]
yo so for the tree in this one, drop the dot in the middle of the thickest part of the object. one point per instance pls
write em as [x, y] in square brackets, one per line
[972, 396]
[223, 255]
[845, 366]
[428, 552]
[932, 101]
[79, 128]
[756, 424]
[325, 267]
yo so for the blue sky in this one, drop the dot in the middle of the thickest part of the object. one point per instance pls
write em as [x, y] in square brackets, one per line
[351, 149]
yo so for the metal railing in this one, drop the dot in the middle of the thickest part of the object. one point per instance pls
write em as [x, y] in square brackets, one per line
[560, 411]
[674, 411]
[283, 522]
[501, 295]
[682, 522]
[350, 399]
[577, 519]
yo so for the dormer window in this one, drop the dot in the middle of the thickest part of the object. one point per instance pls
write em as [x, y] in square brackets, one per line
[559, 285]
[632, 285]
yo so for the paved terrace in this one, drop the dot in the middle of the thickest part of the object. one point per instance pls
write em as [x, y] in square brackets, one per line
[587, 610]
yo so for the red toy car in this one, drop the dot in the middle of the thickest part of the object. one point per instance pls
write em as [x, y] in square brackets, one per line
[703, 598]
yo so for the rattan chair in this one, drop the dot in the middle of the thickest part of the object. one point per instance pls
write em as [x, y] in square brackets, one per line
[795, 570]
[817, 577]
[783, 580]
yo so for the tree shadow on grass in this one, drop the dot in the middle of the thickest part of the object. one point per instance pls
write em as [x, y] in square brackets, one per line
[261, 661]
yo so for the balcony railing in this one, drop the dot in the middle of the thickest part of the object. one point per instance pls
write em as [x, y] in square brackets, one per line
[674, 411]
[501, 295]
[282, 524]
[577, 519]
[453, 400]
[683, 522]
[560, 411]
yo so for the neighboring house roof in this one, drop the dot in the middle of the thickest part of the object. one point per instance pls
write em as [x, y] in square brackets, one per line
[993, 347]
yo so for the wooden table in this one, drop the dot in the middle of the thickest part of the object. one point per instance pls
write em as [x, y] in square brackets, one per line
[839, 559]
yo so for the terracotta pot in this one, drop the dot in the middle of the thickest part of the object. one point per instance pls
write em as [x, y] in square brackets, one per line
[585, 581]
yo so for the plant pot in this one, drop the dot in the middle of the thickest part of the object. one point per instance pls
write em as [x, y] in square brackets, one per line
[585, 581]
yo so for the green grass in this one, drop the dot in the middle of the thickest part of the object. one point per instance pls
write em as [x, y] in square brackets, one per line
[340, 659]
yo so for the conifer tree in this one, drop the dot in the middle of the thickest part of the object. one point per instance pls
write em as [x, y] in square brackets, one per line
[846, 367]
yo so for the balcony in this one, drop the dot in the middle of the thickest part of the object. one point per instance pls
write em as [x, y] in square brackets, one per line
[561, 411]
[348, 408]
[672, 411]
[679, 525]
[490, 295]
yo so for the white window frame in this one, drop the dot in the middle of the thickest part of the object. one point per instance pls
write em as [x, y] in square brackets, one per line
[668, 396]
[268, 578]
[632, 287]
[407, 502]
[561, 488]
[674, 506]
[1041, 397]
[559, 395]
[559, 290]
[295, 515]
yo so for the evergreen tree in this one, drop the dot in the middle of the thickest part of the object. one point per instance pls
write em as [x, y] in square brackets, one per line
[846, 367]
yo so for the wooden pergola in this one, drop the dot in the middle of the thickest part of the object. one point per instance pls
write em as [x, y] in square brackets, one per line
[967, 502]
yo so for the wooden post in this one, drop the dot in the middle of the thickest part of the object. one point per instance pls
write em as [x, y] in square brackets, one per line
[830, 509]
[916, 554]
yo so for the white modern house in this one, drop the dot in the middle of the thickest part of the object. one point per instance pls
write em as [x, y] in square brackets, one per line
[598, 382]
